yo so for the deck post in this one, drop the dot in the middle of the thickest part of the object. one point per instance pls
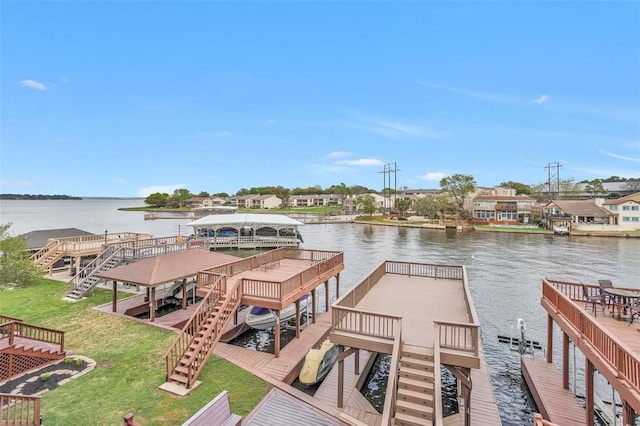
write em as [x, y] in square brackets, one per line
[356, 362]
[76, 264]
[184, 293]
[565, 360]
[337, 286]
[628, 415]
[298, 319]
[147, 295]
[588, 392]
[326, 296]
[313, 306]
[340, 377]
[152, 305]
[549, 338]
[277, 339]
[114, 297]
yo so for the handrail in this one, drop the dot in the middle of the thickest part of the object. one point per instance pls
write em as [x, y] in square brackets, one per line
[19, 409]
[363, 322]
[427, 270]
[190, 329]
[389, 409]
[4, 319]
[90, 269]
[13, 329]
[458, 336]
[623, 362]
[437, 379]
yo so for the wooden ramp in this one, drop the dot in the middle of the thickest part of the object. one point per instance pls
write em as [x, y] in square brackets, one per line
[556, 404]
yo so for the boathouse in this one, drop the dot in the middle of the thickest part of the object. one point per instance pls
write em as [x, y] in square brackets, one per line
[603, 325]
[248, 230]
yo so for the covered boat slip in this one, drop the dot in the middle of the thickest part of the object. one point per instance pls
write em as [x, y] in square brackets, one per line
[610, 344]
[248, 230]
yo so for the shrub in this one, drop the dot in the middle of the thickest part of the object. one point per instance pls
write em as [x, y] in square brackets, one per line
[68, 360]
[45, 376]
[78, 361]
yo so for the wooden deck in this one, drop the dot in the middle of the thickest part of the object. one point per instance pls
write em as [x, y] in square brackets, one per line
[425, 301]
[556, 404]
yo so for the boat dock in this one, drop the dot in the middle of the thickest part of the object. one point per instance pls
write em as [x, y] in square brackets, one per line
[609, 341]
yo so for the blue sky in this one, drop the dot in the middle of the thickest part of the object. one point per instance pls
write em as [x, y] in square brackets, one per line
[128, 98]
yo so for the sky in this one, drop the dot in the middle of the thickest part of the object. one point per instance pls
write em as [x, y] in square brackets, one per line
[125, 99]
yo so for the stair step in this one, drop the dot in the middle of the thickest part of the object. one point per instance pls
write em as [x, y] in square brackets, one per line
[179, 378]
[182, 369]
[413, 409]
[412, 384]
[403, 419]
[416, 363]
[417, 397]
[417, 352]
[416, 374]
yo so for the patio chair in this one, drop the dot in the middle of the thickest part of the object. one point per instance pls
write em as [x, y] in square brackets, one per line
[606, 300]
[594, 300]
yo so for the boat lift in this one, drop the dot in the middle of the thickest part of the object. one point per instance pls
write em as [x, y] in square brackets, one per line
[520, 343]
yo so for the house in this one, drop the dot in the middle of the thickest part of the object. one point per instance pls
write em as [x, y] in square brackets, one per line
[269, 201]
[242, 201]
[314, 200]
[205, 202]
[625, 209]
[350, 204]
[503, 209]
[571, 213]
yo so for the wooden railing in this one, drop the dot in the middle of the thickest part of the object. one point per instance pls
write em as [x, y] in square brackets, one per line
[16, 328]
[5, 319]
[19, 410]
[411, 269]
[623, 362]
[189, 331]
[365, 323]
[457, 336]
[437, 379]
[391, 393]
[356, 294]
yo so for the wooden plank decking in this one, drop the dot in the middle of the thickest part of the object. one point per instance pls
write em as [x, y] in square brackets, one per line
[556, 404]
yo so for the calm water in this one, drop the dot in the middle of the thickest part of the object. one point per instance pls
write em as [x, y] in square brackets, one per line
[504, 270]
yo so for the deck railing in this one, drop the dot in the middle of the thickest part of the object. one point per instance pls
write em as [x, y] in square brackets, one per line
[450, 272]
[437, 379]
[391, 393]
[623, 362]
[16, 328]
[365, 323]
[456, 336]
[356, 294]
[19, 410]
[189, 331]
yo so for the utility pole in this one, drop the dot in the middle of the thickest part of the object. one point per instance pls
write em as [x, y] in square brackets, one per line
[553, 174]
[387, 184]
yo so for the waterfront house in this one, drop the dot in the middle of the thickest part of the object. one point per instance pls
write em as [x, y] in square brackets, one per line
[314, 200]
[626, 210]
[570, 213]
[268, 201]
[503, 209]
[204, 202]
[242, 201]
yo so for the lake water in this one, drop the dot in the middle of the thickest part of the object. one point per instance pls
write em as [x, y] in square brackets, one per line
[504, 270]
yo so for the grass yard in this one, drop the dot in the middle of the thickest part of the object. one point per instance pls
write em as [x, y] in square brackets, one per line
[130, 364]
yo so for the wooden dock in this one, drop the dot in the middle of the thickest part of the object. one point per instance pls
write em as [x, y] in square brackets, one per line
[556, 404]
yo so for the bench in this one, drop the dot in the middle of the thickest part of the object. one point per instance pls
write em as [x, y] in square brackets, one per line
[216, 413]
[264, 260]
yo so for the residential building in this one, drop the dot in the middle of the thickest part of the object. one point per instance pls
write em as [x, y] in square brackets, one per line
[268, 201]
[314, 200]
[503, 209]
[570, 213]
[625, 209]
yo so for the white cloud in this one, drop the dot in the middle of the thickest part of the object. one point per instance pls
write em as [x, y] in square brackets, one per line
[221, 134]
[484, 96]
[338, 154]
[620, 157]
[394, 129]
[65, 80]
[434, 176]
[152, 189]
[268, 122]
[361, 162]
[33, 84]
[121, 180]
[542, 99]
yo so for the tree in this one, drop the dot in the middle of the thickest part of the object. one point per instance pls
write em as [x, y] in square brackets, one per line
[178, 197]
[458, 186]
[157, 199]
[342, 190]
[402, 205]
[203, 194]
[521, 188]
[569, 189]
[430, 205]
[367, 204]
[16, 269]
[594, 188]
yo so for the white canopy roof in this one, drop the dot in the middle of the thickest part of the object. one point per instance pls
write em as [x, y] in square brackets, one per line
[244, 219]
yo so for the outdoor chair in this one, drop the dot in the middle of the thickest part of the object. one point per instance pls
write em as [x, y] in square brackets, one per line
[606, 300]
[594, 300]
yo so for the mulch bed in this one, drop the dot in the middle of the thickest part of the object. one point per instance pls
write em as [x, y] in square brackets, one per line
[43, 379]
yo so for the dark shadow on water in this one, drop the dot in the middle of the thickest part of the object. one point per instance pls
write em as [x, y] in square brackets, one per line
[264, 340]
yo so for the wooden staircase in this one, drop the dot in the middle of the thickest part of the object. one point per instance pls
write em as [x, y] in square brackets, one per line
[86, 279]
[24, 347]
[49, 254]
[189, 353]
[414, 401]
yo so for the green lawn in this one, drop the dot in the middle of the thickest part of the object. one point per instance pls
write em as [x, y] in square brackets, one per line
[130, 364]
